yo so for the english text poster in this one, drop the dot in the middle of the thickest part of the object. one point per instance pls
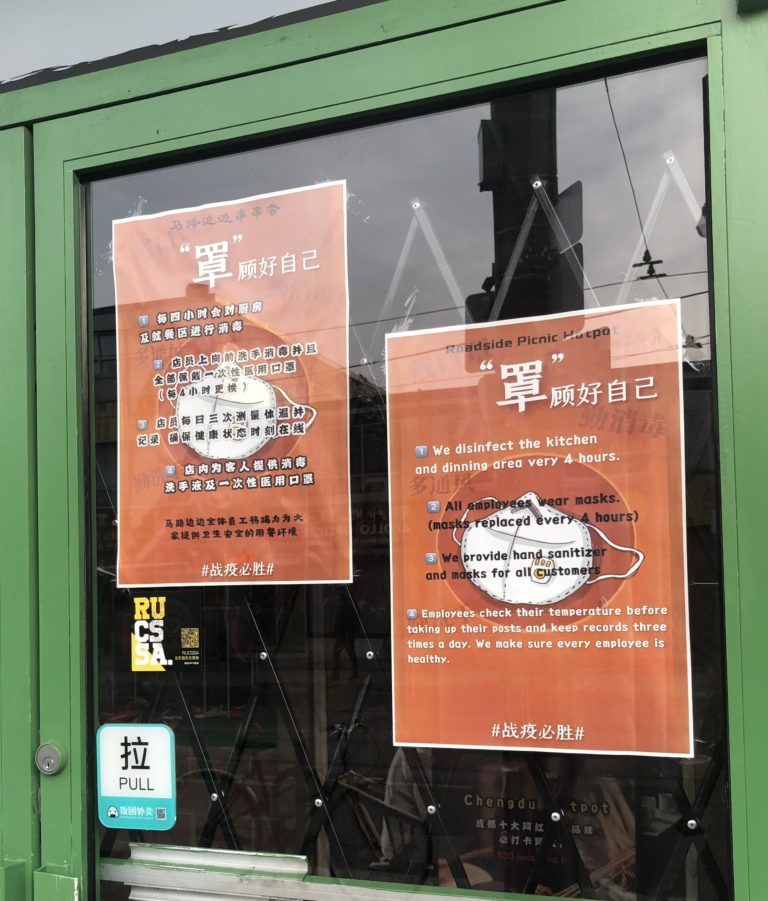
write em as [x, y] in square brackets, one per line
[539, 595]
[233, 445]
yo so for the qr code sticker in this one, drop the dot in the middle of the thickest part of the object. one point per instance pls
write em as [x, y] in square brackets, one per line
[160, 813]
[190, 638]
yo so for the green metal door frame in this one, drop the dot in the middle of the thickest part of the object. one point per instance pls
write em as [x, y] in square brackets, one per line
[19, 827]
[270, 86]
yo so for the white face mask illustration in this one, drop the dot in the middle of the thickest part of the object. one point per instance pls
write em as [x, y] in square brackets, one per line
[229, 416]
[531, 553]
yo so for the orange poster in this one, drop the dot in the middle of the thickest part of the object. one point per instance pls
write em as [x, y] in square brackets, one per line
[539, 594]
[233, 442]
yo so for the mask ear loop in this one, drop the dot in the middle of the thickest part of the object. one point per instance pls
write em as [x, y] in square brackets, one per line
[232, 370]
[464, 516]
[619, 547]
[294, 404]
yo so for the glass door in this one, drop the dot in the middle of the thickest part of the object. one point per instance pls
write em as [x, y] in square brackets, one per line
[227, 606]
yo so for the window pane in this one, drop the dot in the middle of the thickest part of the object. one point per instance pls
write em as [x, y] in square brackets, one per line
[292, 699]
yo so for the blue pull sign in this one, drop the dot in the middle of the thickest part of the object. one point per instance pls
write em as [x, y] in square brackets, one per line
[136, 767]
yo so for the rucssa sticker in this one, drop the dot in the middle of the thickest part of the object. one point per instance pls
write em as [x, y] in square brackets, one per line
[166, 632]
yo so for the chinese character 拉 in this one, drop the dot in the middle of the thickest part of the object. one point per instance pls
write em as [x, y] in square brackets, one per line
[134, 754]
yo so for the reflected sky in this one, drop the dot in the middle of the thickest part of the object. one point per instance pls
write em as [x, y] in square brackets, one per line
[435, 159]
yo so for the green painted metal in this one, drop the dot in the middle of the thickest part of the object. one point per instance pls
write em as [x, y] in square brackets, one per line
[745, 94]
[55, 887]
[724, 352]
[387, 21]
[19, 835]
[14, 879]
[61, 532]
[436, 65]
[752, 6]
[420, 65]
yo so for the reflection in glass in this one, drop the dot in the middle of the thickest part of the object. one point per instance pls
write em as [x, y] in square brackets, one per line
[589, 195]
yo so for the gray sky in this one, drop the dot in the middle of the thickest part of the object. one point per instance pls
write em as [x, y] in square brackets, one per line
[41, 34]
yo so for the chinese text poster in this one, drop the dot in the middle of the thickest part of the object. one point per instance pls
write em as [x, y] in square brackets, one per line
[233, 450]
[539, 595]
